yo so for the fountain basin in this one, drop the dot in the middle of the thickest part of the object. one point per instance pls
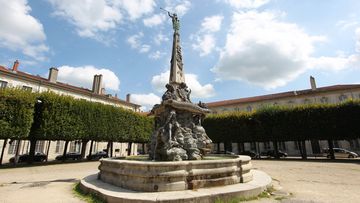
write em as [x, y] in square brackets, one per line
[151, 176]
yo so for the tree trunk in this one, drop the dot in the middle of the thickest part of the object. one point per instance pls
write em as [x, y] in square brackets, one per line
[32, 150]
[17, 152]
[2, 150]
[303, 147]
[129, 148]
[331, 149]
[47, 151]
[218, 148]
[65, 150]
[91, 147]
[111, 148]
[276, 150]
[143, 148]
[108, 149]
[83, 148]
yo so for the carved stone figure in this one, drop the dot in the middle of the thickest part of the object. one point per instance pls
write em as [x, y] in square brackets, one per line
[178, 133]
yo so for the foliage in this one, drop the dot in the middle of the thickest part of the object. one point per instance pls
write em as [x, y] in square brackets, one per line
[49, 116]
[305, 122]
[16, 113]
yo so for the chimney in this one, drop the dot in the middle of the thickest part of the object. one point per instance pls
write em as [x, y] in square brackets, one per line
[15, 66]
[97, 84]
[312, 83]
[128, 96]
[53, 73]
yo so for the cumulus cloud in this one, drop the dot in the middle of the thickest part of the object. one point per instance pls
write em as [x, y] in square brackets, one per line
[205, 41]
[91, 18]
[262, 50]
[147, 101]
[197, 90]
[154, 20]
[204, 44]
[136, 8]
[179, 7]
[247, 4]
[212, 24]
[94, 18]
[135, 43]
[83, 76]
[20, 31]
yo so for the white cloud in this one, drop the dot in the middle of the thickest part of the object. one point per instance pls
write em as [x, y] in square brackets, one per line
[156, 55]
[135, 43]
[154, 20]
[204, 44]
[178, 7]
[205, 41]
[197, 90]
[212, 24]
[147, 101]
[136, 8]
[91, 17]
[83, 76]
[20, 31]
[264, 51]
[247, 4]
[159, 38]
[95, 18]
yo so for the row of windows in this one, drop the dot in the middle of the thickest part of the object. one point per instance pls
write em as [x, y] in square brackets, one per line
[323, 100]
[4, 84]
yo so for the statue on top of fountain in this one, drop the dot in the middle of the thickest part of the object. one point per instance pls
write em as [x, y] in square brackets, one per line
[178, 133]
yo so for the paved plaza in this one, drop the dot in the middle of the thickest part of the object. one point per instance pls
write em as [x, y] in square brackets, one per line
[296, 181]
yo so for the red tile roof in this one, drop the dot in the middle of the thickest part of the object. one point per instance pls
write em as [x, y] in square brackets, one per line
[282, 95]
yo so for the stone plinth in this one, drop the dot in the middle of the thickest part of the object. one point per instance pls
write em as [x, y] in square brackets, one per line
[150, 176]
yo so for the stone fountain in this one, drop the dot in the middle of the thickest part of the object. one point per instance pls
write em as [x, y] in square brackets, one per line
[176, 170]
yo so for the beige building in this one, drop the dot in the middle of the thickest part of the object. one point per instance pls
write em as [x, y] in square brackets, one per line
[329, 94]
[15, 78]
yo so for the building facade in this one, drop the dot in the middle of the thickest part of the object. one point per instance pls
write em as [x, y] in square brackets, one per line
[14, 78]
[329, 94]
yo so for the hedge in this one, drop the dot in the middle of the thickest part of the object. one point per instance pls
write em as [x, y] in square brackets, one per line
[16, 113]
[305, 122]
[56, 117]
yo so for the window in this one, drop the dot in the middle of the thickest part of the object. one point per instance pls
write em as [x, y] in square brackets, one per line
[324, 100]
[27, 88]
[59, 146]
[3, 84]
[266, 145]
[342, 97]
[282, 146]
[12, 147]
[253, 146]
[39, 146]
[249, 108]
[236, 109]
[307, 101]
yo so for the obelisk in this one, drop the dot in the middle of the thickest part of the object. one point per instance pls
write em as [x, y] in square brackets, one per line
[176, 65]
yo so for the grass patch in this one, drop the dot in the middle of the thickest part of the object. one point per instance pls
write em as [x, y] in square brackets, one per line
[90, 198]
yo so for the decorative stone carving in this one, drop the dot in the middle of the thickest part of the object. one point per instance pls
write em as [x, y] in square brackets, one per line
[178, 132]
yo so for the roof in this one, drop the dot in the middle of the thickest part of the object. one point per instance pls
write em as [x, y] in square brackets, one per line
[64, 86]
[282, 95]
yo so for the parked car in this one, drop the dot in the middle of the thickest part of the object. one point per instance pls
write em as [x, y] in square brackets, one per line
[252, 154]
[341, 153]
[271, 153]
[70, 155]
[38, 157]
[98, 155]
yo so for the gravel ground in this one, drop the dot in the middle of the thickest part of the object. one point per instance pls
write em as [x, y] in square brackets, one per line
[295, 181]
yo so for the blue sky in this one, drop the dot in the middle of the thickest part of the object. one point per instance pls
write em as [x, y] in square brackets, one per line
[231, 48]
